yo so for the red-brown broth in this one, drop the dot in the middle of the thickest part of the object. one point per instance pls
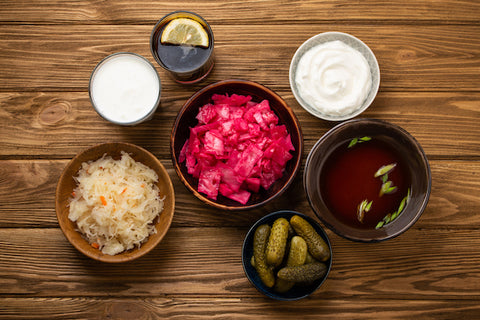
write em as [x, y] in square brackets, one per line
[348, 179]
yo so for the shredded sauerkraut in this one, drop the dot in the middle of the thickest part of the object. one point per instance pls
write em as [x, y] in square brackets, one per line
[115, 203]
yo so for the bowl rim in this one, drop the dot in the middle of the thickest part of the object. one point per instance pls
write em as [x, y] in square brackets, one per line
[299, 53]
[427, 171]
[200, 196]
[249, 235]
[137, 252]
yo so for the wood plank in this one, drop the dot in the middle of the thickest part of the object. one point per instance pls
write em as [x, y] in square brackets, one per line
[27, 198]
[193, 262]
[61, 124]
[427, 58]
[247, 11]
[231, 308]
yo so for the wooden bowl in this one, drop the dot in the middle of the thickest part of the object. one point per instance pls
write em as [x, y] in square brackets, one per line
[186, 119]
[67, 184]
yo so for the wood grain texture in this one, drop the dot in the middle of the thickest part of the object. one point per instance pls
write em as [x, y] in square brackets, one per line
[192, 262]
[430, 58]
[227, 308]
[246, 11]
[27, 196]
[60, 125]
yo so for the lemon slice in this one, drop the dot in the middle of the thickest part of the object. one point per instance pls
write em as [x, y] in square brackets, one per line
[185, 31]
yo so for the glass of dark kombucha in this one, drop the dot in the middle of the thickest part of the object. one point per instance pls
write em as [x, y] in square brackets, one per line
[182, 43]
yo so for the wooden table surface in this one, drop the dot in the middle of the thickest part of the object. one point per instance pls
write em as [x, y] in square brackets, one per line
[429, 56]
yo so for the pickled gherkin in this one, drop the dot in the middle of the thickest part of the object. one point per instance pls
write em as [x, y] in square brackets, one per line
[309, 258]
[296, 257]
[305, 274]
[298, 252]
[277, 242]
[316, 245]
[259, 245]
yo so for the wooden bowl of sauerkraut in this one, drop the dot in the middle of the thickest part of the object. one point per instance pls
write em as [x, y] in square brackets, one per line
[114, 202]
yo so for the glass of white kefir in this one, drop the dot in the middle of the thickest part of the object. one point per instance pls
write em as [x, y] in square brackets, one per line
[125, 89]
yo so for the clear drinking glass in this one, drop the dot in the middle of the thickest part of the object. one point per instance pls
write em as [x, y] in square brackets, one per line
[185, 63]
[125, 88]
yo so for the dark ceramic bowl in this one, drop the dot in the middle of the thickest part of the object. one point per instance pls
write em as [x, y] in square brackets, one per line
[67, 184]
[186, 119]
[417, 172]
[297, 292]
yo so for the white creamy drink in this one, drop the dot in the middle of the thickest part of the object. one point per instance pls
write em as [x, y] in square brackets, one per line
[125, 88]
[333, 78]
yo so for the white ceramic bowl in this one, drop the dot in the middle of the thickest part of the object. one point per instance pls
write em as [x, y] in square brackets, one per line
[356, 44]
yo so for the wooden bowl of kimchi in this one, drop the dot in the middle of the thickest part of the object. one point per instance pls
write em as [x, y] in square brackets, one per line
[111, 198]
[236, 145]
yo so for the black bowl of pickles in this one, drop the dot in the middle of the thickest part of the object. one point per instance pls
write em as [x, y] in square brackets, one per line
[286, 255]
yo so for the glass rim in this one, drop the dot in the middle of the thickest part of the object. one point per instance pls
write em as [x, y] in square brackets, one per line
[203, 22]
[97, 67]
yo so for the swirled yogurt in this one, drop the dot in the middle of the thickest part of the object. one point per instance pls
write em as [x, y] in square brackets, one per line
[333, 78]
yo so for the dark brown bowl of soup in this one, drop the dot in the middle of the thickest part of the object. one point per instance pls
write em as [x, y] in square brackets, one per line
[367, 180]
